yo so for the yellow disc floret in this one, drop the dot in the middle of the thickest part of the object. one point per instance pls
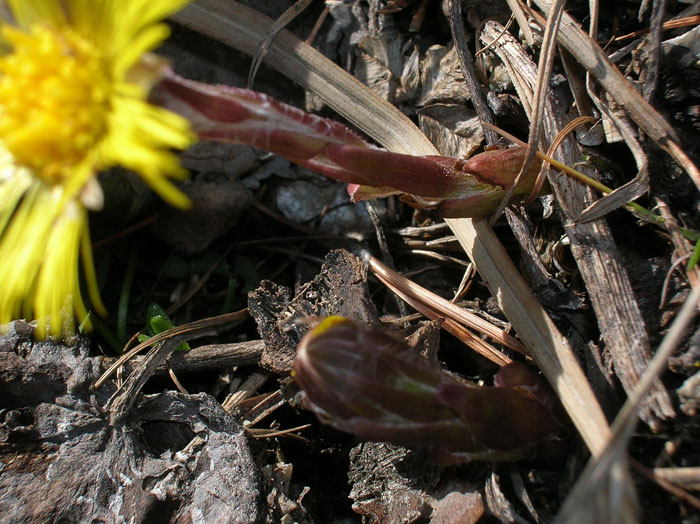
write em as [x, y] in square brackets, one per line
[52, 130]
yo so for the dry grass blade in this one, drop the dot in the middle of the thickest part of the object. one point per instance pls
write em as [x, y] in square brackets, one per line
[601, 493]
[688, 476]
[241, 27]
[619, 197]
[267, 403]
[640, 181]
[270, 433]
[523, 23]
[282, 22]
[544, 71]
[607, 282]
[442, 258]
[251, 385]
[177, 382]
[437, 308]
[196, 329]
[446, 308]
[670, 24]
[594, 13]
[594, 59]
[552, 148]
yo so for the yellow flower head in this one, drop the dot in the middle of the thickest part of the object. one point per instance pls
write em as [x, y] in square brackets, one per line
[74, 82]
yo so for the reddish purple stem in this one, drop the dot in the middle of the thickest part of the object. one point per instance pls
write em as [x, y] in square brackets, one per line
[468, 188]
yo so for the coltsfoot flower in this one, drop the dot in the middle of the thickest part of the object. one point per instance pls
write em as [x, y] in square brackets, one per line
[74, 80]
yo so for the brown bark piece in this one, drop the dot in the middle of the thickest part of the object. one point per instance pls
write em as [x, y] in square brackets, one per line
[393, 484]
[61, 460]
[340, 288]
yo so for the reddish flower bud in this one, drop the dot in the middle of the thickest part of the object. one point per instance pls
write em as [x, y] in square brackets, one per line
[375, 386]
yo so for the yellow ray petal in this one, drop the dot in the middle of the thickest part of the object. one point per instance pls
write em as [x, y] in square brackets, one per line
[29, 12]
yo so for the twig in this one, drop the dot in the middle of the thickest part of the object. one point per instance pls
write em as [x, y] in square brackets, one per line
[210, 357]
[465, 61]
